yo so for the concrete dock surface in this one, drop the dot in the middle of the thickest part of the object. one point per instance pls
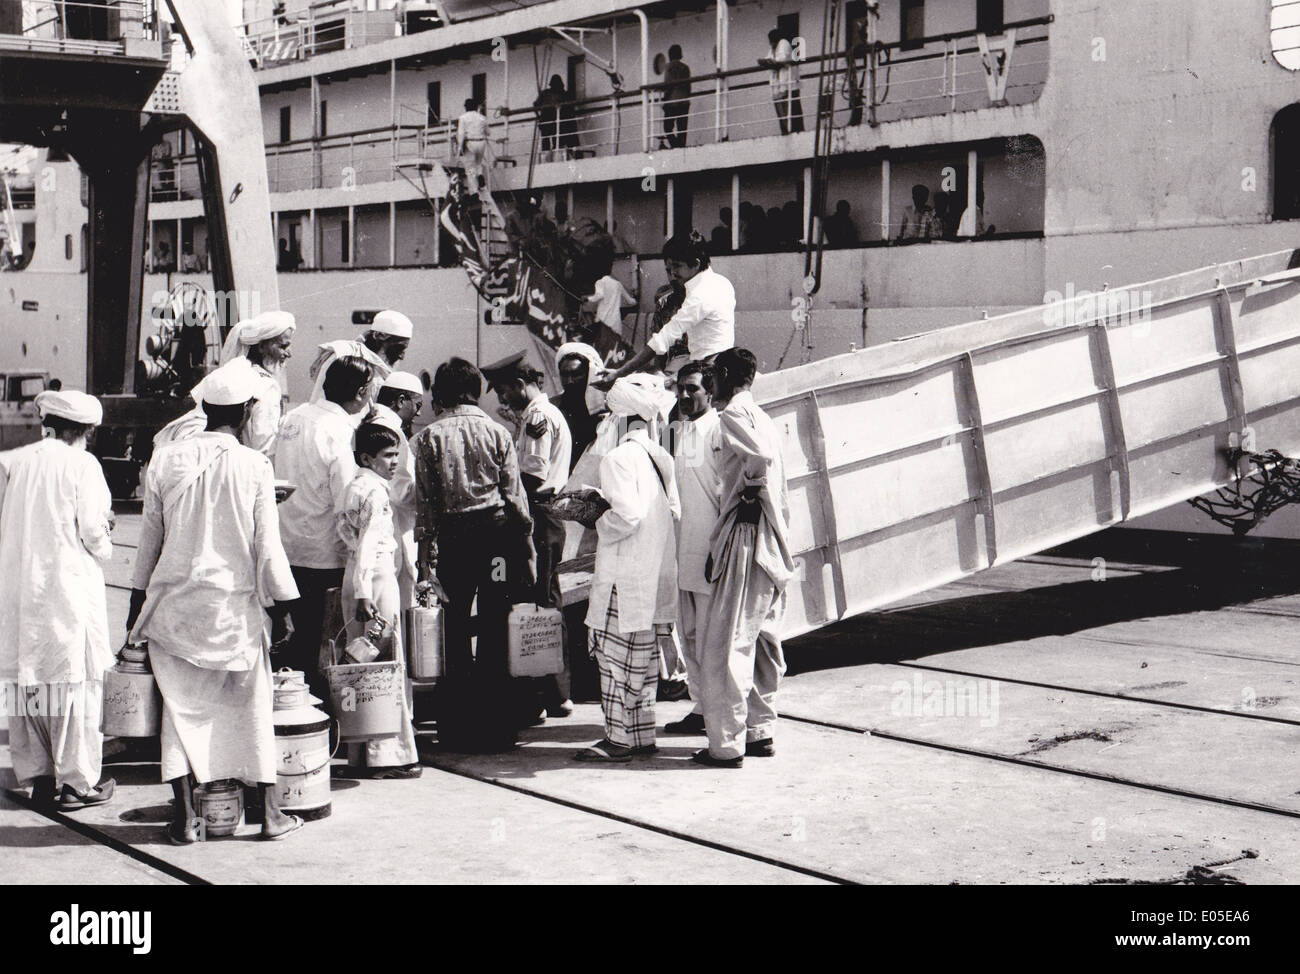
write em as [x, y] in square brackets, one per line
[1125, 710]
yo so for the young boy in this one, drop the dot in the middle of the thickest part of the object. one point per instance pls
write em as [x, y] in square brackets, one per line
[365, 523]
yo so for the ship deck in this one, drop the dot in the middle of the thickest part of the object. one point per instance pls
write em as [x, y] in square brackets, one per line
[1134, 706]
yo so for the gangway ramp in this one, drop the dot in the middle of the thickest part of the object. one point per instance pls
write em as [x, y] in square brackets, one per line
[919, 462]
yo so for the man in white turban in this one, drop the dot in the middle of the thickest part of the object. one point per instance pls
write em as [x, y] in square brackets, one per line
[209, 571]
[55, 518]
[259, 347]
[382, 345]
[633, 598]
[580, 403]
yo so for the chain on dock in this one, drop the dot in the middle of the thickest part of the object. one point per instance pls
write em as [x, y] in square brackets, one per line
[1274, 483]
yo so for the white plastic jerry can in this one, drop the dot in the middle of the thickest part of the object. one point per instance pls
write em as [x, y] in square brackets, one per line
[536, 641]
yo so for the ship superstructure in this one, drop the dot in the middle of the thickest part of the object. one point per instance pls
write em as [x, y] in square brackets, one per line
[1108, 144]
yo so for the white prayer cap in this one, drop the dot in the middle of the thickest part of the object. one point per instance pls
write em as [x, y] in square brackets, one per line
[385, 417]
[404, 382]
[639, 395]
[75, 407]
[230, 385]
[251, 331]
[393, 323]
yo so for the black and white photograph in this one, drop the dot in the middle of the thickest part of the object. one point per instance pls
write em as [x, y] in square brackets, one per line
[675, 443]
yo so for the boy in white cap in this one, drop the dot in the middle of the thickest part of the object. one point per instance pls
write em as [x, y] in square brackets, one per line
[209, 571]
[55, 518]
[383, 345]
[633, 596]
[401, 396]
[370, 588]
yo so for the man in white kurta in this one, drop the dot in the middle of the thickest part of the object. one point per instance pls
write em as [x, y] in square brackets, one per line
[209, 569]
[633, 599]
[382, 346]
[749, 566]
[55, 512]
[314, 453]
[696, 448]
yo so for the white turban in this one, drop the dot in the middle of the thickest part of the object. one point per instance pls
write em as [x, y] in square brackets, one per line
[639, 395]
[393, 323]
[595, 398]
[251, 331]
[75, 407]
[582, 350]
[231, 385]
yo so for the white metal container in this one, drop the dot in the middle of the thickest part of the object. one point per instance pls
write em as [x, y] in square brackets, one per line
[425, 653]
[132, 703]
[367, 699]
[303, 754]
[536, 641]
[220, 804]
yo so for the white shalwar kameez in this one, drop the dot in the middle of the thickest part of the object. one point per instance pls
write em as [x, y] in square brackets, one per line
[54, 648]
[699, 484]
[743, 661]
[211, 562]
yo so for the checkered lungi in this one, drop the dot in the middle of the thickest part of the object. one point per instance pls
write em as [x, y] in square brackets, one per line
[629, 679]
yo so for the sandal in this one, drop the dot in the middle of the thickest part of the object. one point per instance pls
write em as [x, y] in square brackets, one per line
[605, 751]
[70, 801]
[297, 824]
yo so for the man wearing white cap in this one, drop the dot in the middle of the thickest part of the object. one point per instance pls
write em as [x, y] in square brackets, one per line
[209, 570]
[401, 397]
[260, 347]
[55, 518]
[314, 453]
[383, 345]
[633, 596]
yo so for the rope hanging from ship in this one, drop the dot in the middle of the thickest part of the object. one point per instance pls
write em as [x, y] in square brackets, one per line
[1272, 485]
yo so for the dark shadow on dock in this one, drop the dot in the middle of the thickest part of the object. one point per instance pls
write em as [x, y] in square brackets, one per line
[1200, 574]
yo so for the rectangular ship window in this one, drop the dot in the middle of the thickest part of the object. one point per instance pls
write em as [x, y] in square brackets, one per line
[911, 28]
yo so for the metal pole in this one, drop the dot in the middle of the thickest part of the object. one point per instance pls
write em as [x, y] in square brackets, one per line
[972, 170]
[392, 117]
[884, 199]
[735, 211]
[609, 208]
[352, 235]
[724, 43]
[392, 233]
[807, 204]
[670, 205]
[645, 78]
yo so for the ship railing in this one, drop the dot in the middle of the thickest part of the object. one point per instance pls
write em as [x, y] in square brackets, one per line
[945, 73]
[82, 27]
[937, 75]
[332, 25]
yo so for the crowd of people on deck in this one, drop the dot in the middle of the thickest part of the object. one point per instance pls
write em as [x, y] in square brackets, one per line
[268, 540]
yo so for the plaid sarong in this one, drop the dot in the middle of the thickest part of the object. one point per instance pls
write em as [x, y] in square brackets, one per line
[629, 679]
